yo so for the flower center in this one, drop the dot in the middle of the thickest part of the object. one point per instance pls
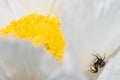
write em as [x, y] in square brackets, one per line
[40, 30]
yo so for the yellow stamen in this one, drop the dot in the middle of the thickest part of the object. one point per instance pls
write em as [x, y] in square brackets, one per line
[40, 30]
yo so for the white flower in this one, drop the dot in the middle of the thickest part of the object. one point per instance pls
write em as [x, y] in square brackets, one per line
[89, 27]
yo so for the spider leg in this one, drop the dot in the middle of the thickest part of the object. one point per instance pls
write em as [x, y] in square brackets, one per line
[95, 70]
[95, 60]
[99, 56]
[96, 56]
[91, 69]
[104, 57]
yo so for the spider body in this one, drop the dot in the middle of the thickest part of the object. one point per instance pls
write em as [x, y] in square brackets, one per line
[97, 63]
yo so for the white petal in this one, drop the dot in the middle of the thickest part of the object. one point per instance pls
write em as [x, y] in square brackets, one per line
[14, 9]
[112, 69]
[87, 34]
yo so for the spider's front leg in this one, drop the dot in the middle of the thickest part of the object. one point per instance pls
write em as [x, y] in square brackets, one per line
[97, 57]
[101, 57]
[95, 70]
